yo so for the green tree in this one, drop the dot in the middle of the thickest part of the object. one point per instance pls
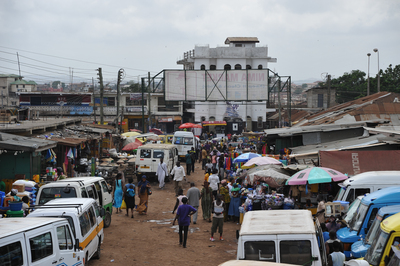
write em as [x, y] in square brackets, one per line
[350, 86]
[390, 79]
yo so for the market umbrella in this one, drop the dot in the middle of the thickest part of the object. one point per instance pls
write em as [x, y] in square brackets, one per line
[197, 126]
[245, 157]
[133, 145]
[186, 125]
[135, 130]
[130, 134]
[260, 161]
[271, 176]
[156, 131]
[316, 175]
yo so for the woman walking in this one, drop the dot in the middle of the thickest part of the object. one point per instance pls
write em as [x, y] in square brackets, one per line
[118, 193]
[143, 189]
[206, 199]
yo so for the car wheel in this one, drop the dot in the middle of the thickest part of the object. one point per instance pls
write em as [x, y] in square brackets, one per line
[107, 219]
[98, 251]
[86, 262]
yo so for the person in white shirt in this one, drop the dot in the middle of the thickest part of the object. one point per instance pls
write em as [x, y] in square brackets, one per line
[214, 180]
[336, 258]
[162, 172]
[179, 174]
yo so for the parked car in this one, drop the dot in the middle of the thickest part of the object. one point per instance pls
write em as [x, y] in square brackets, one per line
[282, 236]
[85, 219]
[38, 241]
[79, 187]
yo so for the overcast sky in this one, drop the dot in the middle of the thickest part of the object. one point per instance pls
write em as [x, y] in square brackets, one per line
[308, 38]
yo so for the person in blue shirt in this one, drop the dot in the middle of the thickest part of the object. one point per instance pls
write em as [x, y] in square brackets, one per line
[183, 215]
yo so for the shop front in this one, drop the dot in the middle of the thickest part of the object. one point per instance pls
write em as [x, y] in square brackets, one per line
[169, 124]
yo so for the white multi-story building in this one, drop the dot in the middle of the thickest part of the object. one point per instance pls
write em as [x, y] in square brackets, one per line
[241, 53]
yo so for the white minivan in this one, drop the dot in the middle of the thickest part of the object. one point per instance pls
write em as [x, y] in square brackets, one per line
[365, 183]
[148, 157]
[85, 219]
[79, 187]
[282, 236]
[184, 141]
[38, 241]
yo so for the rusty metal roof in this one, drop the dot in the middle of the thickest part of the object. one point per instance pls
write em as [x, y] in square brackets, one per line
[376, 106]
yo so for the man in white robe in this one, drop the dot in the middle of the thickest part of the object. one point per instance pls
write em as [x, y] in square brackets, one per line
[162, 171]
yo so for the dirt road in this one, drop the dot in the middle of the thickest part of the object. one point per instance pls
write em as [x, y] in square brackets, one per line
[152, 240]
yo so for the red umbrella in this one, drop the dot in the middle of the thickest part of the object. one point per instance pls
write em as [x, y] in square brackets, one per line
[187, 125]
[135, 130]
[156, 131]
[197, 126]
[133, 145]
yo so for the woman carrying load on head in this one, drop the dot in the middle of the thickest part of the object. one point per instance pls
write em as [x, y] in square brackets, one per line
[142, 190]
[206, 200]
[118, 192]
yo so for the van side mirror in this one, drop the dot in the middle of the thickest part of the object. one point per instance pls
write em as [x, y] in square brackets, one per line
[76, 246]
[102, 211]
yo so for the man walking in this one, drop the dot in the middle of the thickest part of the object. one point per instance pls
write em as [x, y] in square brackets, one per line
[193, 195]
[183, 215]
[162, 172]
[214, 180]
[179, 173]
[193, 156]
[188, 159]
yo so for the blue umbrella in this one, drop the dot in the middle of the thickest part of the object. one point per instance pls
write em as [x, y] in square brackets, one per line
[245, 157]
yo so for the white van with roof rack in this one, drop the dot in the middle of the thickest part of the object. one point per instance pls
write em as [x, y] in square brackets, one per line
[38, 241]
[79, 187]
[282, 236]
[84, 217]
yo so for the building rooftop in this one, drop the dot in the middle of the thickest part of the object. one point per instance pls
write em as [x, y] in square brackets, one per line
[241, 40]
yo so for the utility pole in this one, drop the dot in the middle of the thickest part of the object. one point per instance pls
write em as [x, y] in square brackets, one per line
[369, 55]
[148, 89]
[279, 101]
[19, 67]
[120, 77]
[328, 104]
[143, 105]
[101, 95]
[94, 102]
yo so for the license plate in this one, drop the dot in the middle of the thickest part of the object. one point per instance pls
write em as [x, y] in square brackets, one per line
[145, 167]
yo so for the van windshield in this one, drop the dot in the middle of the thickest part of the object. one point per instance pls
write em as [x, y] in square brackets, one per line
[374, 253]
[340, 194]
[51, 193]
[373, 230]
[183, 141]
[358, 218]
[352, 210]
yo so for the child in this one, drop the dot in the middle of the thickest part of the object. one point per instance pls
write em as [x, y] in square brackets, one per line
[129, 198]
[218, 208]
[179, 200]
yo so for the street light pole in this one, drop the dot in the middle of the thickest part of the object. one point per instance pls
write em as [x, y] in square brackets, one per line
[379, 78]
[369, 54]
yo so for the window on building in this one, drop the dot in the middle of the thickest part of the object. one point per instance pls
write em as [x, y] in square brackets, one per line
[248, 67]
[23, 86]
[213, 67]
[203, 67]
[260, 122]
[203, 119]
[164, 105]
[260, 66]
[133, 102]
[238, 45]
[320, 100]
[17, 86]
[227, 67]
[111, 101]
[238, 66]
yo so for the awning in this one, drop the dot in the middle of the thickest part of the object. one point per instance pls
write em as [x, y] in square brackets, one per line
[214, 123]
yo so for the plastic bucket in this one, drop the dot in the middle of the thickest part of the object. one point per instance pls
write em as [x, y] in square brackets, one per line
[15, 206]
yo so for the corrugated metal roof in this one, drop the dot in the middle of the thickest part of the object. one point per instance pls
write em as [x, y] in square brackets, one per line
[19, 143]
[374, 106]
[241, 39]
[346, 144]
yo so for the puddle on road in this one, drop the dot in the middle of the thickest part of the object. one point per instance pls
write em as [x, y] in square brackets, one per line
[164, 221]
[175, 227]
